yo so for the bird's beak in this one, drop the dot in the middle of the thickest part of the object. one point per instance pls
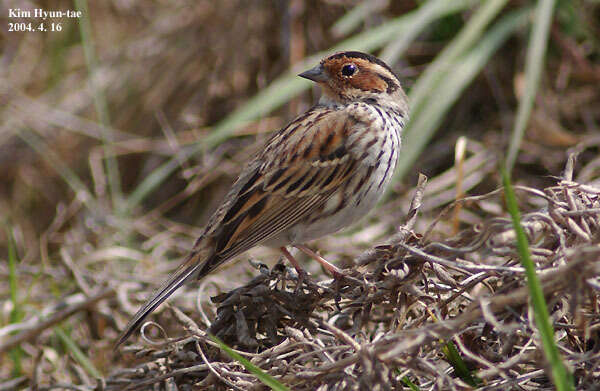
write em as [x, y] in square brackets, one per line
[316, 74]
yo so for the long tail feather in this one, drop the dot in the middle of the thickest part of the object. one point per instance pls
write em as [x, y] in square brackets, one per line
[188, 270]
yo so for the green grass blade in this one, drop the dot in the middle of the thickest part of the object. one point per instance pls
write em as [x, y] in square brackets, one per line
[395, 29]
[155, 179]
[352, 19]
[12, 277]
[410, 384]
[15, 314]
[471, 33]
[460, 367]
[534, 63]
[264, 377]
[424, 123]
[281, 90]
[78, 355]
[562, 379]
[111, 164]
[424, 16]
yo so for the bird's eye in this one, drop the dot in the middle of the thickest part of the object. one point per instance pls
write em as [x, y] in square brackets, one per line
[348, 70]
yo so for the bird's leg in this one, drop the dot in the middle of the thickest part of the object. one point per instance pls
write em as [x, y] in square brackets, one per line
[294, 262]
[337, 272]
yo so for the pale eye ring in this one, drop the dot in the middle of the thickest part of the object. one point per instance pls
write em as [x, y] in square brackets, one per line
[348, 70]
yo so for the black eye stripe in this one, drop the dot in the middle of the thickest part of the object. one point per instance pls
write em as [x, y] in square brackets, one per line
[391, 84]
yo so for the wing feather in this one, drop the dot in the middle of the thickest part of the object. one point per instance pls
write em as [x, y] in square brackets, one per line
[284, 190]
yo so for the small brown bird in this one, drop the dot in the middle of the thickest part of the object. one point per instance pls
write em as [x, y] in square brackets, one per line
[322, 172]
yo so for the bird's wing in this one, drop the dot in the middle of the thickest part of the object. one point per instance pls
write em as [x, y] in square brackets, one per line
[299, 169]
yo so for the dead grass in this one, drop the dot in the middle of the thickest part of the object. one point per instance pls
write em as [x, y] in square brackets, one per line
[394, 314]
[442, 271]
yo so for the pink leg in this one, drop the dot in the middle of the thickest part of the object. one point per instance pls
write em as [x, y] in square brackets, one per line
[292, 260]
[337, 273]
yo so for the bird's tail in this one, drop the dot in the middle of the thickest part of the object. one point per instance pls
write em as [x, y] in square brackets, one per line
[193, 267]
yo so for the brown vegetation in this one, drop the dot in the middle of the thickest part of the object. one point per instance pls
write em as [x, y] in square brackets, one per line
[88, 250]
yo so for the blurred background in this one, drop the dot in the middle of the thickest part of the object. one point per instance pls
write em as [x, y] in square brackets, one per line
[120, 134]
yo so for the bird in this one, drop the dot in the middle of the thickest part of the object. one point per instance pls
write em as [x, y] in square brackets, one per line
[322, 172]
